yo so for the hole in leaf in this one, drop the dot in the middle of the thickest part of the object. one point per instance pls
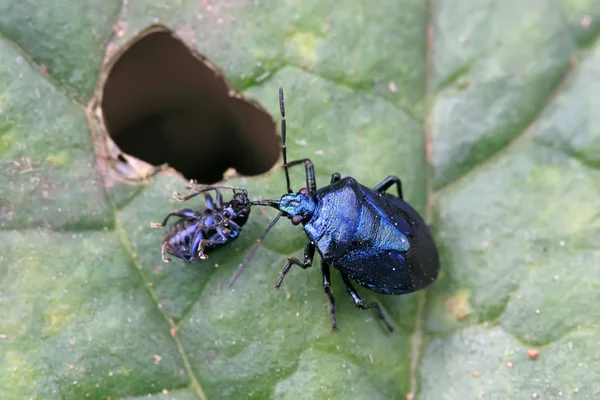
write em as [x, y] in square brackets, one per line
[162, 103]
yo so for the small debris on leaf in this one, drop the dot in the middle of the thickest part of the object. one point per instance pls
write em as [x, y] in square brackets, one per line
[585, 22]
[533, 354]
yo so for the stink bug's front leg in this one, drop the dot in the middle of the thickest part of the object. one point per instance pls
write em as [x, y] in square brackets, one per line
[309, 253]
[388, 182]
[311, 181]
[360, 304]
[185, 213]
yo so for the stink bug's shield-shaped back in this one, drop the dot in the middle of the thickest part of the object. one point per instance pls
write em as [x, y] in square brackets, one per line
[382, 243]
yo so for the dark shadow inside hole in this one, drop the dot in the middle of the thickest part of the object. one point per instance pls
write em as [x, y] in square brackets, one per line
[163, 104]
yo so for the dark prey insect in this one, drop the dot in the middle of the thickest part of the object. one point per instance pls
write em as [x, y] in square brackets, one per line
[370, 236]
[197, 232]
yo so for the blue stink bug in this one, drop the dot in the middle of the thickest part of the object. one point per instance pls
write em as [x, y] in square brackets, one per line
[197, 232]
[370, 236]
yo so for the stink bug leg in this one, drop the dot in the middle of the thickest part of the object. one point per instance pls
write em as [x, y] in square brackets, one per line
[387, 183]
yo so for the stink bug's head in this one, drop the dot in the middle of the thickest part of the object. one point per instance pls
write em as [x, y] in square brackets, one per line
[298, 207]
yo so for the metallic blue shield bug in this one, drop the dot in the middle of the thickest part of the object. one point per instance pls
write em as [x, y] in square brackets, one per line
[370, 236]
[198, 232]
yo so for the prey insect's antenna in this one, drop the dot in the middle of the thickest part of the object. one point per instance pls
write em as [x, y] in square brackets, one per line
[283, 133]
[253, 250]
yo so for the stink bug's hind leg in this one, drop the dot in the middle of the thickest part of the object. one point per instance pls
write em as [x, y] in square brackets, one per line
[388, 182]
[327, 288]
[309, 253]
[185, 213]
[360, 304]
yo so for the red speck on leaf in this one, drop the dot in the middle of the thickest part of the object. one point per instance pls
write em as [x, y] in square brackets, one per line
[533, 354]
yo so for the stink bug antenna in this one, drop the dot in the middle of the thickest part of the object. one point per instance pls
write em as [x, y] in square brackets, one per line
[283, 133]
[253, 250]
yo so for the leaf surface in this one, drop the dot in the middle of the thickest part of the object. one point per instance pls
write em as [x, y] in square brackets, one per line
[487, 110]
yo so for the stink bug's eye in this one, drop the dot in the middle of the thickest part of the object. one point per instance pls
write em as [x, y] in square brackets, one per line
[227, 214]
[304, 191]
[296, 219]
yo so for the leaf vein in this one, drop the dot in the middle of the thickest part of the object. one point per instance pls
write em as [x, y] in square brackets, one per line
[525, 133]
[47, 76]
[195, 385]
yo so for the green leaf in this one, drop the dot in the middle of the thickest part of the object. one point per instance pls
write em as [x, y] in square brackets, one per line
[487, 110]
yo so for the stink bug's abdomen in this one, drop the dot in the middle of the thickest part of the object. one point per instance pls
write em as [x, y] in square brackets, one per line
[377, 239]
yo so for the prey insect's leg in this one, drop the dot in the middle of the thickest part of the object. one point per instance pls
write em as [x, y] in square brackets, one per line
[179, 197]
[309, 253]
[197, 248]
[169, 248]
[185, 213]
[360, 304]
[231, 225]
[199, 189]
[210, 204]
[219, 199]
[214, 240]
[164, 252]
